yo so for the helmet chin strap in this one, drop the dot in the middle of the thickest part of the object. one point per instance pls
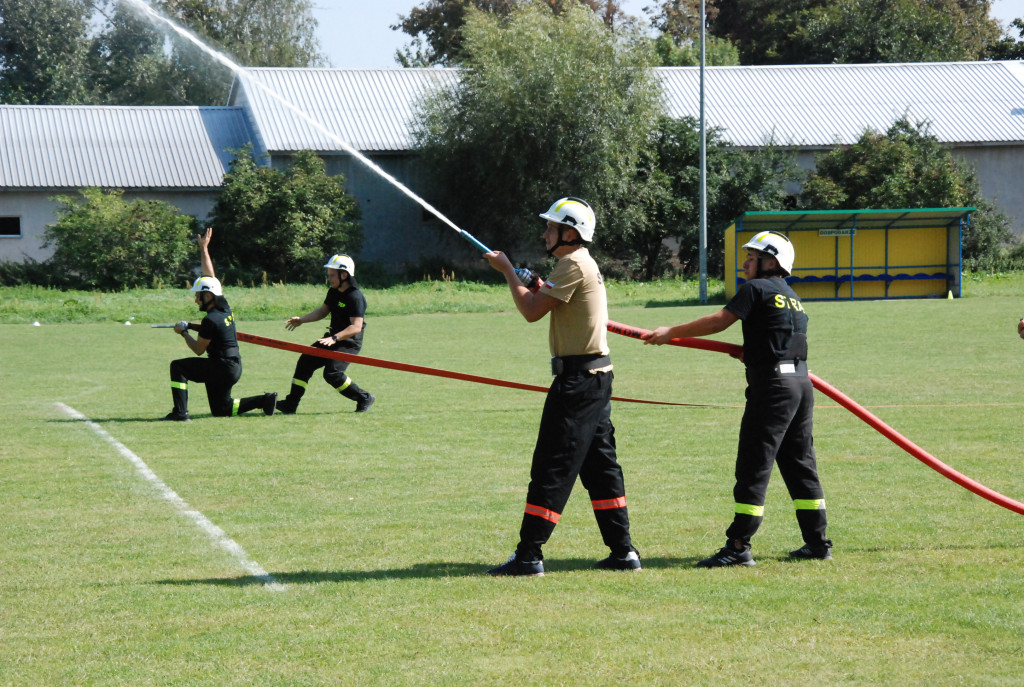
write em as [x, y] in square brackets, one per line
[560, 242]
[761, 271]
[760, 267]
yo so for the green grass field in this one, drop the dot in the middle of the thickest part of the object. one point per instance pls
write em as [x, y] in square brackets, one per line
[378, 528]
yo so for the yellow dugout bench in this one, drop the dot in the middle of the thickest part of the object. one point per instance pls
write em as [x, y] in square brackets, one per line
[860, 254]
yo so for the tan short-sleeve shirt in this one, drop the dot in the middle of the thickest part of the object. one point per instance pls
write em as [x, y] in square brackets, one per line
[580, 325]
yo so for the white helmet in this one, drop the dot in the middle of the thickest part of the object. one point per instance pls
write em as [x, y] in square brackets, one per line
[775, 245]
[211, 284]
[574, 212]
[342, 262]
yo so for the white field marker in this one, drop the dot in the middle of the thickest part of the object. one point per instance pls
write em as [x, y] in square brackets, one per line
[215, 533]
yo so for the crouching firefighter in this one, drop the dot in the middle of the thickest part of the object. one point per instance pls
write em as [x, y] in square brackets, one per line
[221, 369]
[347, 307]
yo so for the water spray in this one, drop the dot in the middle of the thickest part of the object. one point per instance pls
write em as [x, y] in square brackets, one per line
[243, 73]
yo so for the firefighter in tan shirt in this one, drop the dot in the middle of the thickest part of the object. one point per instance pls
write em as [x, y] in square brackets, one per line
[576, 436]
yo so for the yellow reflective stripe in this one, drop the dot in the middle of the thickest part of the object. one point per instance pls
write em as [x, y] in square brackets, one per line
[234, 406]
[750, 509]
[179, 385]
[809, 504]
[345, 385]
[299, 382]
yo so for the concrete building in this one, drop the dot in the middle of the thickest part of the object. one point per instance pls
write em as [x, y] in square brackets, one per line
[180, 154]
[975, 108]
[173, 154]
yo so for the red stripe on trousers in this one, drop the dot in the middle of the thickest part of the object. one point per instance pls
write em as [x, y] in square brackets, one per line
[608, 504]
[548, 515]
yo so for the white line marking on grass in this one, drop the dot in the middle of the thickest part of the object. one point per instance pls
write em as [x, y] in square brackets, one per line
[215, 533]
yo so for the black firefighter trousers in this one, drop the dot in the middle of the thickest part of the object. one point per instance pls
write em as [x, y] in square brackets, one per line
[777, 428]
[576, 438]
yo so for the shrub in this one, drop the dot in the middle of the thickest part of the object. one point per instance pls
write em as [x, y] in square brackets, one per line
[282, 225]
[104, 242]
[909, 168]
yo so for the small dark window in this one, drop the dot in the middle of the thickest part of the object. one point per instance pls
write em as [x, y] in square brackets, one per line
[10, 227]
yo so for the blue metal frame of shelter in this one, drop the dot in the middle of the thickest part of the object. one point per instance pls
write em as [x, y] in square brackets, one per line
[955, 220]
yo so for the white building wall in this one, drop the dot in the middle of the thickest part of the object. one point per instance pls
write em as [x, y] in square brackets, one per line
[1001, 176]
[37, 211]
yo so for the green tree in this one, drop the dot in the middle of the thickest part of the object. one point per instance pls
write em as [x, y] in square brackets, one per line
[762, 29]
[103, 242]
[283, 223]
[668, 194]
[866, 31]
[436, 27]
[678, 41]
[718, 52]
[1008, 47]
[254, 33]
[546, 106]
[69, 52]
[856, 31]
[680, 19]
[128, 61]
[908, 168]
[44, 52]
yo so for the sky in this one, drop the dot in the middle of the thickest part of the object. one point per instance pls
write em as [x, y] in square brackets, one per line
[356, 34]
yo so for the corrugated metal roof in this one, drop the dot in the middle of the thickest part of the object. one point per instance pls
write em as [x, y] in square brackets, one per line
[118, 147]
[369, 109]
[815, 220]
[966, 103]
[822, 105]
[802, 105]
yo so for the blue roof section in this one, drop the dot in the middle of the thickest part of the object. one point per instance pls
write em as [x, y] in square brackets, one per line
[55, 147]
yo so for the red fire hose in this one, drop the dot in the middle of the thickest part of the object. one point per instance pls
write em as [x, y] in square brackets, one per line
[419, 369]
[855, 408]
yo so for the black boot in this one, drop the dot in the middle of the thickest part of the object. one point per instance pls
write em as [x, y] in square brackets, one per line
[363, 399]
[534, 532]
[614, 526]
[266, 402]
[291, 402]
[812, 529]
[179, 396]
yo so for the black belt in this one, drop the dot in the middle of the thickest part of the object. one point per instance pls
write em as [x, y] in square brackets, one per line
[783, 368]
[578, 363]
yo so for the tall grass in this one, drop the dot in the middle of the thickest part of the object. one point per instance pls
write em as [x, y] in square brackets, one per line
[27, 304]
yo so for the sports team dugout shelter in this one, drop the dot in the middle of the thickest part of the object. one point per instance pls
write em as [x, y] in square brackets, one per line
[860, 254]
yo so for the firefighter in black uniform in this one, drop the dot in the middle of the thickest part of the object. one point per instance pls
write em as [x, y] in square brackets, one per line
[777, 421]
[222, 367]
[576, 435]
[347, 307]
